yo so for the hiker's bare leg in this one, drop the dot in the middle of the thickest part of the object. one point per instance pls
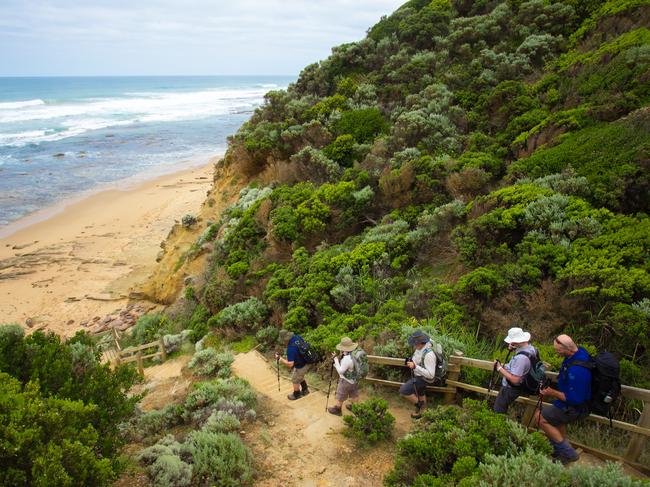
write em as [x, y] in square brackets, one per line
[551, 431]
[412, 398]
[296, 387]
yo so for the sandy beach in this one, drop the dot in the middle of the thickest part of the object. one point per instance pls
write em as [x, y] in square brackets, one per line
[82, 262]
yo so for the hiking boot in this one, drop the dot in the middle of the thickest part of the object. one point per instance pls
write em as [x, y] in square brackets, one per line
[294, 395]
[335, 410]
[418, 410]
[305, 391]
[565, 459]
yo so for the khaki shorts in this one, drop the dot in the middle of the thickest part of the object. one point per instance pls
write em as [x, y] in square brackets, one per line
[298, 375]
[346, 390]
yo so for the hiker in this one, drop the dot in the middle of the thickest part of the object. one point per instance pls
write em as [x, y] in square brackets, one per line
[515, 371]
[296, 362]
[349, 375]
[423, 372]
[571, 398]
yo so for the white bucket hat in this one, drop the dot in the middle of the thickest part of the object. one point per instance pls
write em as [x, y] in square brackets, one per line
[517, 335]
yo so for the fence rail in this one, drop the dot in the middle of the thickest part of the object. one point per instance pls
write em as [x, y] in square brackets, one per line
[639, 432]
[134, 354]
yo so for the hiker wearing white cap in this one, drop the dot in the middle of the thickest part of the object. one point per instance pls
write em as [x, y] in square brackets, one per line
[349, 374]
[514, 372]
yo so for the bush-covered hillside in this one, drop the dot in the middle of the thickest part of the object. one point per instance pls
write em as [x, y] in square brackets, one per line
[467, 166]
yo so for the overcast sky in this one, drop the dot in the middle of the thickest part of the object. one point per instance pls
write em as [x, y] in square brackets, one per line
[158, 37]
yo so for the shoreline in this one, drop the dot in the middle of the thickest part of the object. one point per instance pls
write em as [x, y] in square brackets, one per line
[126, 184]
[80, 259]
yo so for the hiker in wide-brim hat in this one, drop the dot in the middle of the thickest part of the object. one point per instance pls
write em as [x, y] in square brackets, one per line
[346, 345]
[423, 371]
[515, 371]
[349, 376]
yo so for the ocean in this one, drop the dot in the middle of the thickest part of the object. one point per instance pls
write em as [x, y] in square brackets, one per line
[63, 136]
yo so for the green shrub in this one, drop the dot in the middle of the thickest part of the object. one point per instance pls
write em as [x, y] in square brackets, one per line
[246, 315]
[370, 421]
[170, 470]
[198, 324]
[48, 440]
[222, 422]
[537, 470]
[150, 327]
[220, 459]
[363, 124]
[209, 362]
[446, 436]
[157, 420]
[267, 336]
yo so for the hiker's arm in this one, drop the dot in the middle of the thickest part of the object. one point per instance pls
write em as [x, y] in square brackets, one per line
[429, 369]
[344, 365]
[284, 361]
[550, 392]
[512, 378]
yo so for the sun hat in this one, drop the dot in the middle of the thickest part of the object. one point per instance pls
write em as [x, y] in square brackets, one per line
[418, 336]
[284, 336]
[346, 345]
[517, 335]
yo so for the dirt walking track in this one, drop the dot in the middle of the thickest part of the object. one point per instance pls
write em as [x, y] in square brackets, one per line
[297, 443]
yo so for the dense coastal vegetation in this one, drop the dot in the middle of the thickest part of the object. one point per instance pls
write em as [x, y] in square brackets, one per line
[468, 166]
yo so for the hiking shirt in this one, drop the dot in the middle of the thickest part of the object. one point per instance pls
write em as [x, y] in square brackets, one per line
[425, 368]
[519, 365]
[346, 364]
[293, 354]
[574, 381]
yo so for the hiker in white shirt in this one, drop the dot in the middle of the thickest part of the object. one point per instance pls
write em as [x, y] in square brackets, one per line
[423, 372]
[347, 387]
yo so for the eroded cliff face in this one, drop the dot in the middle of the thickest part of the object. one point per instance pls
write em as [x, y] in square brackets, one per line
[183, 259]
[180, 257]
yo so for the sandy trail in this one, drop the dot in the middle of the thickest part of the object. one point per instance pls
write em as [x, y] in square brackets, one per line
[301, 444]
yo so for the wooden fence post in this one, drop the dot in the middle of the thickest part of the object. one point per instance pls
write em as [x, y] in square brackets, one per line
[453, 373]
[140, 365]
[637, 441]
[528, 414]
[163, 353]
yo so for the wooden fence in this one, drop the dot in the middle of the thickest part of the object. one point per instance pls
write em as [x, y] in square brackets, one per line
[639, 432]
[118, 355]
[134, 354]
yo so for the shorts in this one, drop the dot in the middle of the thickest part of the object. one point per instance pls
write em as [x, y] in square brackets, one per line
[507, 395]
[346, 390]
[409, 387]
[557, 416]
[298, 374]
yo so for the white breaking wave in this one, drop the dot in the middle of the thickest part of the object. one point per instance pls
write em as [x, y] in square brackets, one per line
[9, 105]
[49, 122]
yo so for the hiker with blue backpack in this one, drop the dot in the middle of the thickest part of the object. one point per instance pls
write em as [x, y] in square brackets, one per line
[524, 373]
[572, 397]
[352, 367]
[425, 366]
[300, 356]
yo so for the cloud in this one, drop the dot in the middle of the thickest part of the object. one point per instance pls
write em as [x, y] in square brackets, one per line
[171, 36]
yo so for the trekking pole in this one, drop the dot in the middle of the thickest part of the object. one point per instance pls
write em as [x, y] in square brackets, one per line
[494, 371]
[417, 395]
[277, 362]
[329, 387]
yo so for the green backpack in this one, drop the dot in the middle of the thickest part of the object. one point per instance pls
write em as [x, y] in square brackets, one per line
[360, 369]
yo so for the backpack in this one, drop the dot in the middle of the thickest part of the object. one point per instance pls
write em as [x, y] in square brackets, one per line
[605, 382]
[531, 382]
[441, 362]
[360, 370]
[306, 351]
